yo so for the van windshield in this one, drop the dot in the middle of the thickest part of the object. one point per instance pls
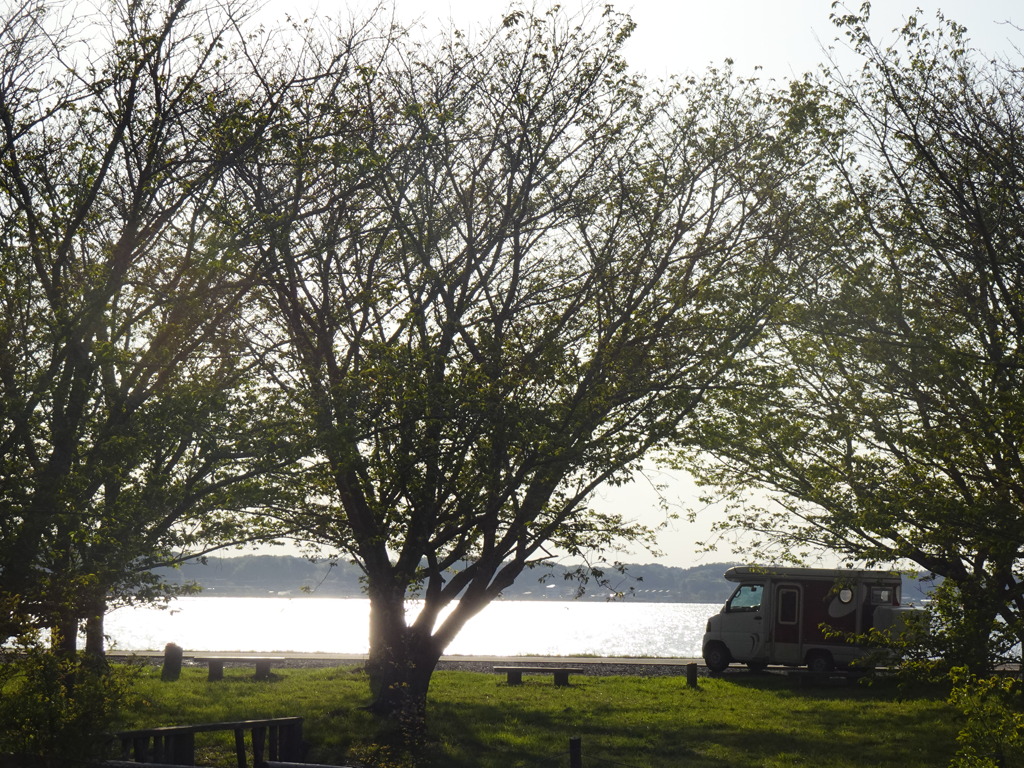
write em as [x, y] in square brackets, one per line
[747, 597]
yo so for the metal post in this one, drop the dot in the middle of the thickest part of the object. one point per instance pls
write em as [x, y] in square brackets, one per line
[691, 675]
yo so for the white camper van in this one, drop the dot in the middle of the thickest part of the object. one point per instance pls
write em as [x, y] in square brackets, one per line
[776, 616]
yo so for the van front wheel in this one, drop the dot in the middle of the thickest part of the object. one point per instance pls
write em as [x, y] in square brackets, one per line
[716, 657]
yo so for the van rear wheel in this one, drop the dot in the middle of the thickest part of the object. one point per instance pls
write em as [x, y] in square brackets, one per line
[820, 661]
[716, 657]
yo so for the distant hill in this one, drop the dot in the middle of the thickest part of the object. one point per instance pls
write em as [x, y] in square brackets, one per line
[291, 576]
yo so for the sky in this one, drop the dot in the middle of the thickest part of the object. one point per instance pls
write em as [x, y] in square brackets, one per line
[783, 38]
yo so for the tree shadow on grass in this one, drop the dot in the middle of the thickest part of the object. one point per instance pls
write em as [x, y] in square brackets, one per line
[876, 687]
[503, 734]
[531, 725]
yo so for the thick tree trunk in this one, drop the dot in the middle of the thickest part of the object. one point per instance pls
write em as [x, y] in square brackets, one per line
[401, 662]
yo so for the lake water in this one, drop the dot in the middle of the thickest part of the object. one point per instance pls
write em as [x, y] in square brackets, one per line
[330, 625]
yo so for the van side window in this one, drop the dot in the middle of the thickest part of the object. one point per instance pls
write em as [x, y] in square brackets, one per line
[882, 596]
[747, 597]
[788, 605]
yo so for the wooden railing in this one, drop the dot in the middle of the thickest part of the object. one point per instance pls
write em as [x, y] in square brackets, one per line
[277, 739]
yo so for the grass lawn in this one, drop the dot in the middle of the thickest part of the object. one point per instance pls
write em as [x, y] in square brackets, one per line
[476, 720]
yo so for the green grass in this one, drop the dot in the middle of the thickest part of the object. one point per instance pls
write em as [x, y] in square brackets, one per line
[477, 720]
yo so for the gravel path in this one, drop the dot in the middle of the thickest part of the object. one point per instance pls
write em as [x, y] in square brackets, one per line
[596, 667]
[592, 666]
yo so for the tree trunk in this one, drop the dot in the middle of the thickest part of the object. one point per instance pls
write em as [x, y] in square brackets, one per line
[64, 636]
[973, 618]
[94, 637]
[401, 662]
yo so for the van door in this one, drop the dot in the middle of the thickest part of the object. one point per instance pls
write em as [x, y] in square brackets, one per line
[743, 624]
[786, 647]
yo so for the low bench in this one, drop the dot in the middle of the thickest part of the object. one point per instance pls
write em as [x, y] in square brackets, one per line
[561, 674]
[278, 738]
[216, 664]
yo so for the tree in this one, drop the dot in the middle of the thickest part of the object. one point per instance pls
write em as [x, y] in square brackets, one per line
[133, 429]
[499, 274]
[894, 426]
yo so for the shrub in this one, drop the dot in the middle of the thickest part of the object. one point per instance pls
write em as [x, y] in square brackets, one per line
[993, 732]
[57, 709]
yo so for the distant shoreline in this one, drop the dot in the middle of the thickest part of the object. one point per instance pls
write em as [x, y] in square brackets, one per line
[293, 576]
[629, 598]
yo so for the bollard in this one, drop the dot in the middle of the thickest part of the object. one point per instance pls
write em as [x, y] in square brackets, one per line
[691, 675]
[172, 663]
[576, 752]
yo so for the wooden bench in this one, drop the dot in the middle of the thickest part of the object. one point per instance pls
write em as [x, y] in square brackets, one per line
[561, 674]
[216, 664]
[278, 738]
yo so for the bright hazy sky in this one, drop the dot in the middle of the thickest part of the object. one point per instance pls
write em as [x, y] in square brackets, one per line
[784, 38]
[680, 36]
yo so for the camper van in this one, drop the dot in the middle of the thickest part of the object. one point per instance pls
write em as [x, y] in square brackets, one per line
[775, 616]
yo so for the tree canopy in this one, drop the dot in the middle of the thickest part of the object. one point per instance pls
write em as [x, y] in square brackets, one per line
[132, 430]
[499, 273]
[894, 425]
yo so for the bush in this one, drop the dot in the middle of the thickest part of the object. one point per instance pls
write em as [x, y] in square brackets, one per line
[57, 710]
[993, 732]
